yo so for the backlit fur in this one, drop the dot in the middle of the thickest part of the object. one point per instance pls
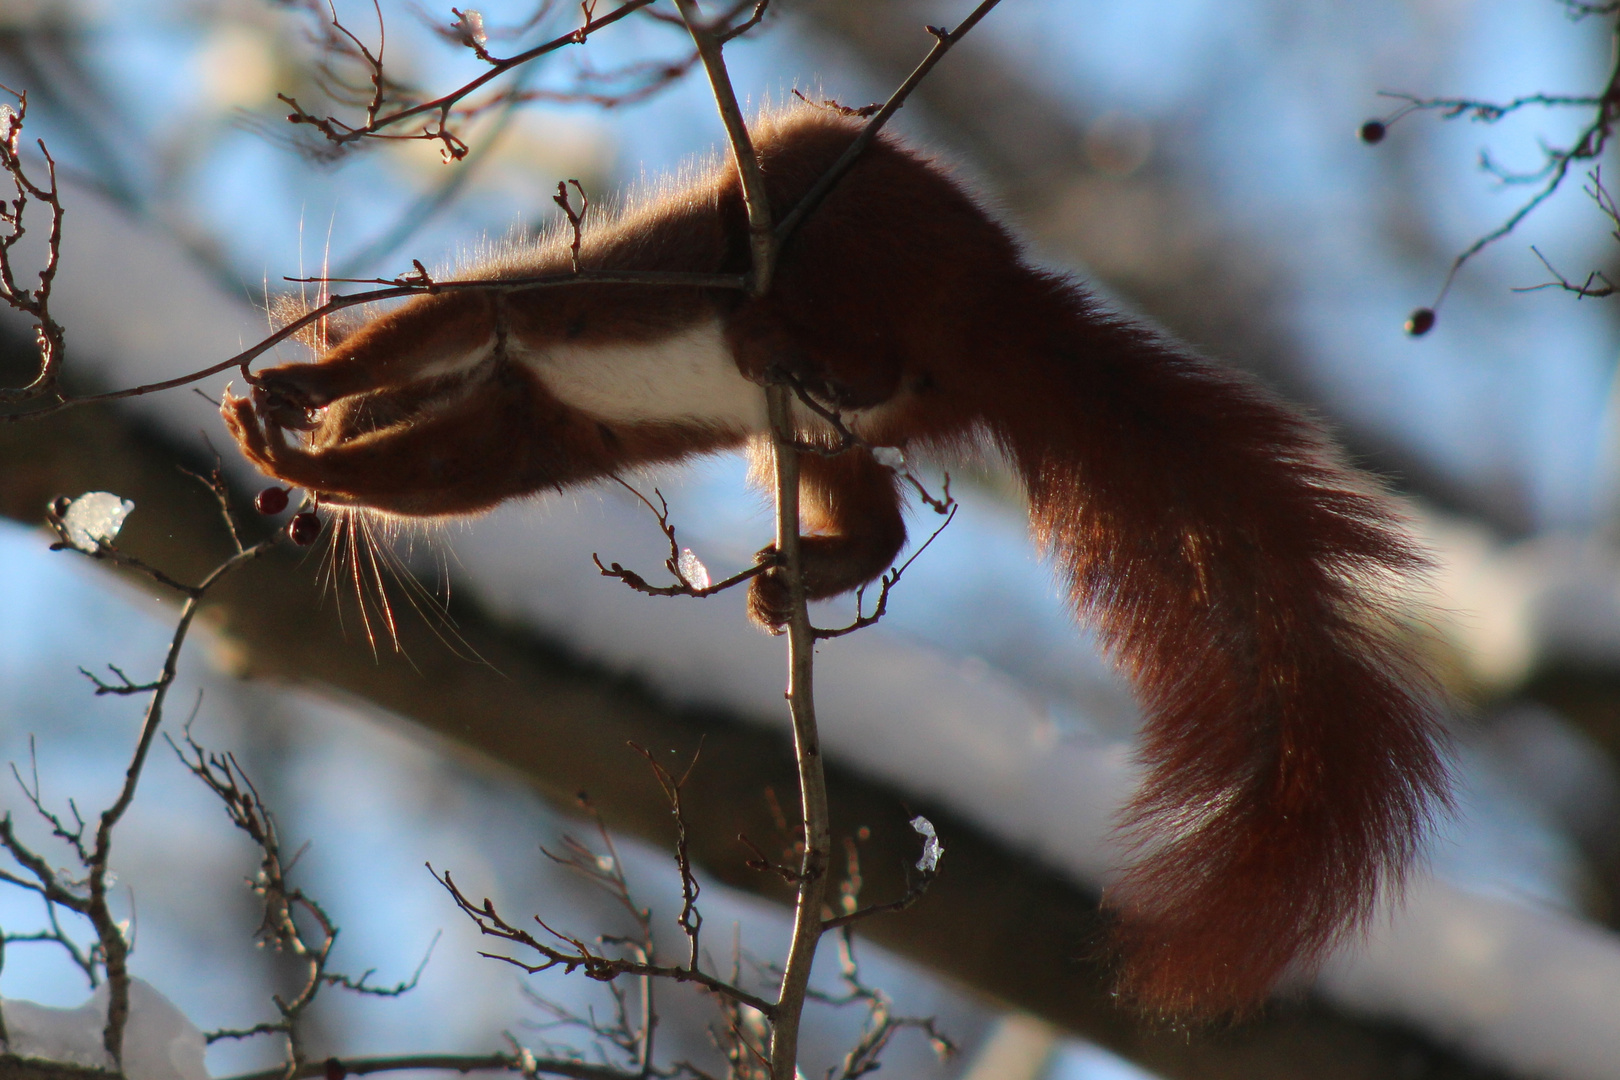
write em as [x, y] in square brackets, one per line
[1238, 571]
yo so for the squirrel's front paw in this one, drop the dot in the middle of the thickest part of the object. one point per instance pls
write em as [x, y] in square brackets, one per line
[291, 396]
[245, 422]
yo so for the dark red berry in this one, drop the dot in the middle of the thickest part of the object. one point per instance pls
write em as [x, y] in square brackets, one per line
[305, 528]
[1420, 322]
[1373, 131]
[335, 1069]
[272, 500]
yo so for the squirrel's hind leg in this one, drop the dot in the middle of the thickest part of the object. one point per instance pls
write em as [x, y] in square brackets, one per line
[850, 513]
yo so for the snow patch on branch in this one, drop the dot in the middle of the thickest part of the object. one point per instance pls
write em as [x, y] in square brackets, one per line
[159, 1042]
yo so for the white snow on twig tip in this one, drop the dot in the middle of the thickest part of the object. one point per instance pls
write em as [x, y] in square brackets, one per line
[94, 518]
[932, 848]
[693, 570]
[159, 1042]
[889, 456]
[471, 26]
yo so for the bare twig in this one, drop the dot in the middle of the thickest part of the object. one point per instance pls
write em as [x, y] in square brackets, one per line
[635, 1039]
[1588, 289]
[889, 580]
[123, 687]
[881, 1022]
[943, 41]
[812, 889]
[916, 888]
[340, 133]
[762, 244]
[676, 563]
[764, 862]
[860, 113]
[578, 956]
[576, 218]
[613, 89]
[690, 920]
[1588, 144]
[223, 775]
[35, 302]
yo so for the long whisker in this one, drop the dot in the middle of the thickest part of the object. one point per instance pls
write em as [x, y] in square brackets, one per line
[385, 609]
[433, 608]
[327, 576]
[324, 293]
[352, 570]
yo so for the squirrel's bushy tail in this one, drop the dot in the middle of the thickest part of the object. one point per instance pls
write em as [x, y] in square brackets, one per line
[1246, 581]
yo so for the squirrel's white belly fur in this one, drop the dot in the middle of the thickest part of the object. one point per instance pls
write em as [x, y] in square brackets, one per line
[688, 377]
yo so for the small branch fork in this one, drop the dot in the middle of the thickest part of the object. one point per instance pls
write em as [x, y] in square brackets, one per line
[576, 218]
[33, 302]
[89, 897]
[631, 1030]
[436, 113]
[881, 1022]
[629, 83]
[1597, 284]
[383, 110]
[223, 775]
[1557, 162]
[279, 929]
[559, 950]
[676, 564]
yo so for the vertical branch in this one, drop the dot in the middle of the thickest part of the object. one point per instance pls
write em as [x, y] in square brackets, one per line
[762, 244]
[807, 923]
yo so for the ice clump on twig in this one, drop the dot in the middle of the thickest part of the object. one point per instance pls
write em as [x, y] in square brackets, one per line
[693, 570]
[932, 848]
[471, 27]
[94, 518]
[891, 457]
[159, 1042]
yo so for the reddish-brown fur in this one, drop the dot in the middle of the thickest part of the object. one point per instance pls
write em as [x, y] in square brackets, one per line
[1239, 573]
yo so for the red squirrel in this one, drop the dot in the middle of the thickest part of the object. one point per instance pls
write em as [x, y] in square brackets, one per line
[1241, 575]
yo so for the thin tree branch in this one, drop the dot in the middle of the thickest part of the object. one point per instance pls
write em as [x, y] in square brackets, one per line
[812, 886]
[943, 41]
[762, 244]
